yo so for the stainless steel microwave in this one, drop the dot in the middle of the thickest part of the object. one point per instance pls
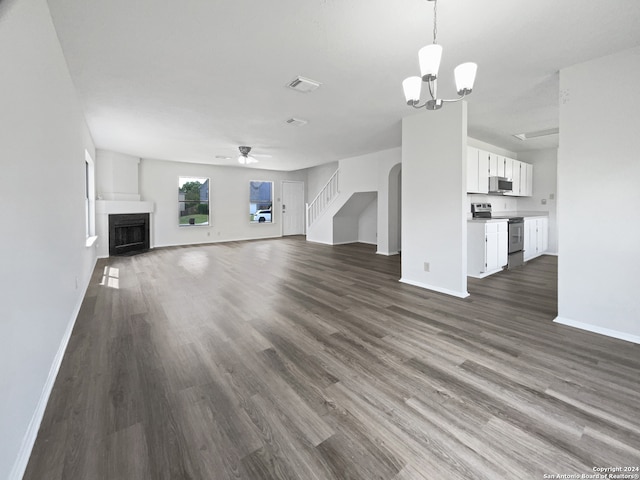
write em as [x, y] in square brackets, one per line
[500, 185]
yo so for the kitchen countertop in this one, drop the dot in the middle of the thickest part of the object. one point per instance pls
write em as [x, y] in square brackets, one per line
[525, 214]
[486, 220]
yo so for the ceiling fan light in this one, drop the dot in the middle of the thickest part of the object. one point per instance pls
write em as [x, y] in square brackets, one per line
[429, 58]
[465, 75]
[412, 87]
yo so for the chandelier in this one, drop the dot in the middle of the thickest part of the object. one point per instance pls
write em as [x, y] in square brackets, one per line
[429, 59]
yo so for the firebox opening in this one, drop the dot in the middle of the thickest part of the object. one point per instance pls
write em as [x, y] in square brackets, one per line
[128, 233]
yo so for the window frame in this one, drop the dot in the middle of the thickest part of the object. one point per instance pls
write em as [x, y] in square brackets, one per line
[89, 199]
[207, 181]
[251, 214]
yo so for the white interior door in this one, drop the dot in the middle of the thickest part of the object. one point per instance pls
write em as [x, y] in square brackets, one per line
[292, 208]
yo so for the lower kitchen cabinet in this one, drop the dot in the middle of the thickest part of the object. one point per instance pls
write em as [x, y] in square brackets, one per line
[487, 247]
[536, 237]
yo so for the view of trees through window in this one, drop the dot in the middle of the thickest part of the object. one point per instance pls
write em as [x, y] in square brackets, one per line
[260, 201]
[193, 201]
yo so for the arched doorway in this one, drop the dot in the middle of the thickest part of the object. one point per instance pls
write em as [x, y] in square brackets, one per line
[395, 210]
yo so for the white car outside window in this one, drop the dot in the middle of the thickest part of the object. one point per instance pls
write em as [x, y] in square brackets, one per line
[262, 216]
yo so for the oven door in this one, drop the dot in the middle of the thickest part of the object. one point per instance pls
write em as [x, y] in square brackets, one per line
[516, 236]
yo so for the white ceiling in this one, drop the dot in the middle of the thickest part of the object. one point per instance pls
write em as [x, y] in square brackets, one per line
[188, 80]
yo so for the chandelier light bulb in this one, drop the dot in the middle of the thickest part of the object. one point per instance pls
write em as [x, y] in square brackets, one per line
[465, 75]
[412, 87]
[429, 58]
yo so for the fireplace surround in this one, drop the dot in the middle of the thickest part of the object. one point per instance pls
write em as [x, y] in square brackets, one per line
[128, 233]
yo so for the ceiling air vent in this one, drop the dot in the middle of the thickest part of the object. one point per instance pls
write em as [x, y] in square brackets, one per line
[304, 85]
[296, 122]
[537, 134]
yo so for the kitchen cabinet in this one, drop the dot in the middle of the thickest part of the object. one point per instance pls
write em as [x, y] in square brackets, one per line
[477, 171]
[482, 164]
[501, 165]
[493, 164]
[487, 247]
[528, 190]
[516, 173]
[536, 237]
[508, 167]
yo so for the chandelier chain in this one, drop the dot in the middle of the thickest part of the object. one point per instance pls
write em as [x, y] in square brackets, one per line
[435, 21]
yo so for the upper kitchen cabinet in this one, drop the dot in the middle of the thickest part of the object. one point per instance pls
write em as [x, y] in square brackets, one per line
[516, 175]
[494, 164]
[521, 175]
[501, 167]
[482, 164]
[528, 191]
[477, 171]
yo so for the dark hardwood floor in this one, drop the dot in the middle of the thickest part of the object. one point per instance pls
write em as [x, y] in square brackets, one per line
[289, 360]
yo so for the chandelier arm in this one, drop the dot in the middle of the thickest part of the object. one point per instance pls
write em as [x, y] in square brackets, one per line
[452, 100]
[432, 91]
[415, 105]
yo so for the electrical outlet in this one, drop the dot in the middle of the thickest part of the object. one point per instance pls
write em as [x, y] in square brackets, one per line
[208, 234]
[76, 283]
[426, 266]
[551, 196]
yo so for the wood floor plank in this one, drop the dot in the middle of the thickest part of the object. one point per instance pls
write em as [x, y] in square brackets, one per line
[284, 359]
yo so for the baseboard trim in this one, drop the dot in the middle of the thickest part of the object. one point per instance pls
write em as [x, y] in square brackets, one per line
[484, 274]
[388, 254]
[599, 330]
[29, 439]
[446, 291]
[318, 242]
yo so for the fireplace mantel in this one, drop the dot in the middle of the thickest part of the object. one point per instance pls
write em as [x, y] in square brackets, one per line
[123, 206]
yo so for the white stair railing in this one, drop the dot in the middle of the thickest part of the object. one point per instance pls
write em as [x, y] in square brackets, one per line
[327, 195]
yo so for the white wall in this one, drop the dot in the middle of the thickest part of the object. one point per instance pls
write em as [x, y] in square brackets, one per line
[317, 178]
[545, 188]
[45, 263]
[599, 192]
[368, 223]
[228, 194]
[356, 221]
[434, 200]
[116, 176]
[474, 142]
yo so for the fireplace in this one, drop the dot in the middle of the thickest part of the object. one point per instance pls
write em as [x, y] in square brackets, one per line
[128, 233]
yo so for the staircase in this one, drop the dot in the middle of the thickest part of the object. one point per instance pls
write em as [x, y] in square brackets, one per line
[327, 195]
[333, 216]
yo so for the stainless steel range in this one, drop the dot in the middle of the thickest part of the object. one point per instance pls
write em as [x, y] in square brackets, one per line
[515, 229]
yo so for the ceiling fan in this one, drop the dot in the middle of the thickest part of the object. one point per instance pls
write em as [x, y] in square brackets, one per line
[244, 158]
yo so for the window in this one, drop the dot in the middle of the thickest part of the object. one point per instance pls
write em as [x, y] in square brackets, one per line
[260, 201]
[193, 201]
[89, 196]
